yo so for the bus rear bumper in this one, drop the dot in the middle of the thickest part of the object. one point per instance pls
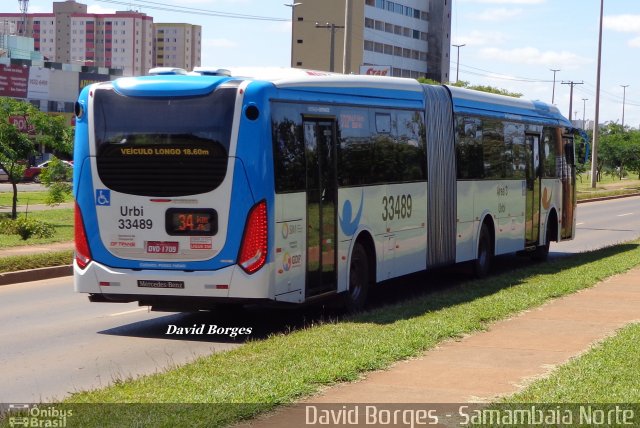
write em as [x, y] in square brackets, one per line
[130, 285]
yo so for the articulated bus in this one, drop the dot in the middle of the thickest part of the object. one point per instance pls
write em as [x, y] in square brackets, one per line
[202, 189]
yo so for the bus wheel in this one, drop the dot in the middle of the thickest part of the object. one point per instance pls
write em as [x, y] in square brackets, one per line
[482, 265]
[542, 252]
[359, 279]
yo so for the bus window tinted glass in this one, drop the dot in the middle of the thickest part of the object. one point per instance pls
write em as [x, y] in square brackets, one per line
[355, 149]
[163, 146]
[410, 146]
[514, 150]
[469, 148]
[288, 149]
[549, 152]
[493, 149]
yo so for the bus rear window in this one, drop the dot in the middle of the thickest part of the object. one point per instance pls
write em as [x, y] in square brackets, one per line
[163, 146]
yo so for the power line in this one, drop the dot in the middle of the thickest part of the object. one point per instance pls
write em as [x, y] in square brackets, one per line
[192, 10]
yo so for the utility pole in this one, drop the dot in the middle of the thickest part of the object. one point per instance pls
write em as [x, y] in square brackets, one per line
[572, 83]
[596, 131]
[584, 108]
[458, 61]
[553, 91]
[624, 95]
[332, 28]
[346, 56]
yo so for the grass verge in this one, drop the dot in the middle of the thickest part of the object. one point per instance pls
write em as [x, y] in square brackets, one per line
[34, 261]
[584, 195]
[608, 373]
[61, 219]
[607, 186]
[284, 367]
[26, 198]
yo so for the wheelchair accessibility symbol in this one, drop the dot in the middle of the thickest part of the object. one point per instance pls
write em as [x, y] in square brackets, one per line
[103, 197]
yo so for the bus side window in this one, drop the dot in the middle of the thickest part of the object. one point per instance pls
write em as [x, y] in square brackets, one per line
[288, 154]
[355, 148]
[469, 148]
[549, 153]
[493, 147]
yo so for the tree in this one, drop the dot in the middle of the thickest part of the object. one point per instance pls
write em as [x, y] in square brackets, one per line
[57, 178]
[482, 88]
[619, 150]
[17, 144]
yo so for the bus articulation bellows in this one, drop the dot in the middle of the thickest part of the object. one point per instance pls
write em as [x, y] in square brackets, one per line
[198, 190]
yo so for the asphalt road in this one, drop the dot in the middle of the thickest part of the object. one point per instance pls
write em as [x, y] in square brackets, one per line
[602, 224]
[22, 187]
[54, 342]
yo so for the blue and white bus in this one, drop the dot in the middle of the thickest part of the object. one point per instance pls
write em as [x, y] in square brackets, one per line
[196, 190]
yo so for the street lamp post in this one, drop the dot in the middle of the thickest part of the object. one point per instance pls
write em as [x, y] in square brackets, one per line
[594, 149]
[346, 56]
[332, 28]
[458, 61]
[624, 96]
[292, 6]
[553, 91]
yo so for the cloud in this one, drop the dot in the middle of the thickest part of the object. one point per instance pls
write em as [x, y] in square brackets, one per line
[533, 56]
[634, 43]
[622, 23]
[501, 14]
[481, 38]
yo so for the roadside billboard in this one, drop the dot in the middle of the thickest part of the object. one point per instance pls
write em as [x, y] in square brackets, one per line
[39, 83]
[14, 81]
[85, 79]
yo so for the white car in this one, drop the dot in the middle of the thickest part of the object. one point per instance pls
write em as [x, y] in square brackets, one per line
[3, 175]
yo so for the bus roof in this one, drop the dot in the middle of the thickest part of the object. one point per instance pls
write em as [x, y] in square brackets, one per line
[283, 77]
[504, 107]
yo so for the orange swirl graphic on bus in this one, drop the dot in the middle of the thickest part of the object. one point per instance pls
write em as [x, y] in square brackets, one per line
[546, 200]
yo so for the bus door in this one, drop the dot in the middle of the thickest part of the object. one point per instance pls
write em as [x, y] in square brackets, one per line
[568, 178]
[532, 213]
[322, 194]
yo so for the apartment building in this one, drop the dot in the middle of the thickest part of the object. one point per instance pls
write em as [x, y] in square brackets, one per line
[123, 40]
[177, 45]
[405, 38]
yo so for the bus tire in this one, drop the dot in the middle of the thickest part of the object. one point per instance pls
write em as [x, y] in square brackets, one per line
[359, 279]
[482, 264]
[541, 252]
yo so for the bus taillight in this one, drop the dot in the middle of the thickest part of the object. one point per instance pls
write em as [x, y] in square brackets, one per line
[82, 254]
[253, 251]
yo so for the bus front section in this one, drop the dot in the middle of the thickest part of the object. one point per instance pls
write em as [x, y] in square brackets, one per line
[165, 214]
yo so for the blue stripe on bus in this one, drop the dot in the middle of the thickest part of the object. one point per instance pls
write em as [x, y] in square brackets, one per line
[81, 146]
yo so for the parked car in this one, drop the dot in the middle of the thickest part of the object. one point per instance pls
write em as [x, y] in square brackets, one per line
[3, 175]
[33, 173]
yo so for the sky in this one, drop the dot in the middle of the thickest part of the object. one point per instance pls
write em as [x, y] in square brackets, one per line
[509, 44]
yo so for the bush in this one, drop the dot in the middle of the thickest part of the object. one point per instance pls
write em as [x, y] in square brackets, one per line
[27, 227]
[57, 176]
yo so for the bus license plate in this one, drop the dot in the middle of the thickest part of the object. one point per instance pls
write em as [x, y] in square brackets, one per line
[148, 283]
[162, 247]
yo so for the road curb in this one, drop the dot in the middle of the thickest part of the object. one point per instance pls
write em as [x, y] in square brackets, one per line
[35, 274]
[607, 198]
